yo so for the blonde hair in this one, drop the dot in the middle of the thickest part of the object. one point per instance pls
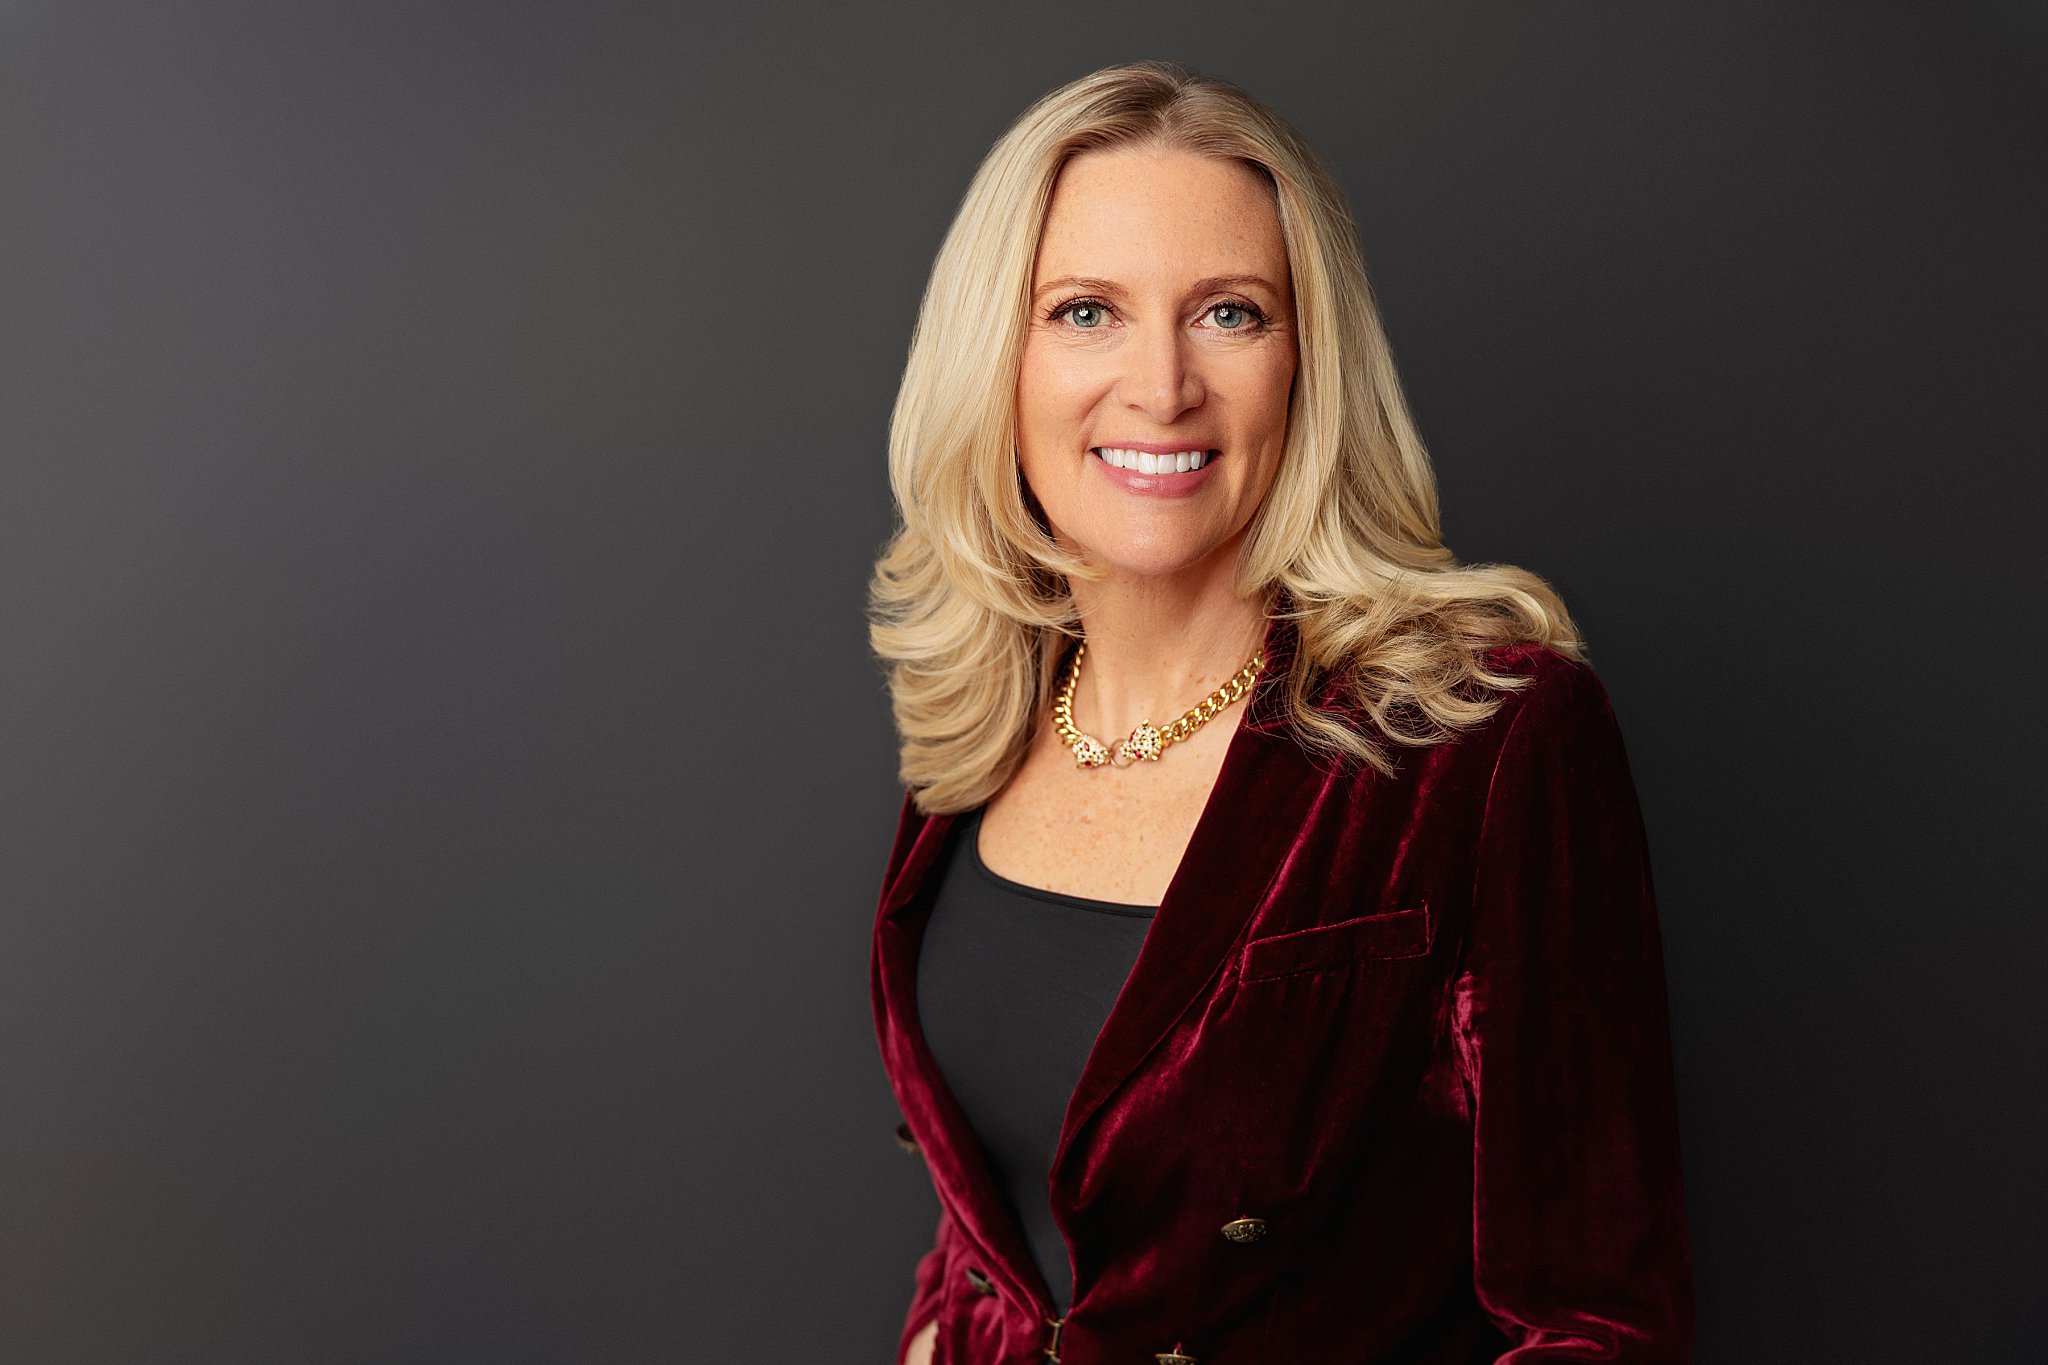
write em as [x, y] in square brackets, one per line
[968, 606]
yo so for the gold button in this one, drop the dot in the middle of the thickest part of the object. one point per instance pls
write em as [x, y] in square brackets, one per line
[1245, 1229]
[904, 1139]
[982, 1284]
[1173, 1357]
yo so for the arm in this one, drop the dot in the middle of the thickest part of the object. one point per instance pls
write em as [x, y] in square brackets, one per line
[924, 1300]
[1579, 1240]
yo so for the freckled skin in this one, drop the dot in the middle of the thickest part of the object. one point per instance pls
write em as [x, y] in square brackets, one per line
[1109, 834]
[1160, 356]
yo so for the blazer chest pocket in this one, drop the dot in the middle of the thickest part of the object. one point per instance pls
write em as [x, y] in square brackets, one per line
[1394, 933]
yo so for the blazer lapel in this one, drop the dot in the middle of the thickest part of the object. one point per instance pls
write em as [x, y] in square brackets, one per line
[1253, 817]
[1260, 801]
[953, 1155]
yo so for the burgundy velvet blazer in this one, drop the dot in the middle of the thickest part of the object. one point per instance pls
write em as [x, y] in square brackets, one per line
[1390, 1080]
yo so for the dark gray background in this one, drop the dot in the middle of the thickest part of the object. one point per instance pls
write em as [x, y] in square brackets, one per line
[445, 787]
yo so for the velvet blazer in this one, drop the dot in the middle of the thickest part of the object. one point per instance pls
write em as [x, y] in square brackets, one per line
[1390, 1080]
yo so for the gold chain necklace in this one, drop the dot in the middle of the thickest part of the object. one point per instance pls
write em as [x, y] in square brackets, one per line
[1147, 741]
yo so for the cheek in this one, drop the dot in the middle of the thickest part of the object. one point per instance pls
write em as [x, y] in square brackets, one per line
[1276, 384]
[1055, 388]
[1040, 382]
[1053, 482]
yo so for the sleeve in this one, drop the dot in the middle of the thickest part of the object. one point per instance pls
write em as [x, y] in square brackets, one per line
[924, 1299]
[1579, 1239]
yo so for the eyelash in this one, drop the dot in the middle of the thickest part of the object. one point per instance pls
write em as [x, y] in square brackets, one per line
[1257, 313]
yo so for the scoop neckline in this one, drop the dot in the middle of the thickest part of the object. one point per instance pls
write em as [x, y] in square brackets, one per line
[973, 836]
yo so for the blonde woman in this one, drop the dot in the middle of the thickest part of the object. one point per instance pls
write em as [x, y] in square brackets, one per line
[1266, 965]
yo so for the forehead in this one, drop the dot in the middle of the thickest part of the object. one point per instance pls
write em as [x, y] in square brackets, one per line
[1144, 215]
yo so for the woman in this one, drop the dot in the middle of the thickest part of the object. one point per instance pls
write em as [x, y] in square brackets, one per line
[1266, 965]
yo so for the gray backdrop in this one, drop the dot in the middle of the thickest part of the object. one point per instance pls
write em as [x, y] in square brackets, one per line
[445, 786]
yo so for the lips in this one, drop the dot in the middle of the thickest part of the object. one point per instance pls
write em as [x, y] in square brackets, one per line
[1155, 460]
[1156, 485]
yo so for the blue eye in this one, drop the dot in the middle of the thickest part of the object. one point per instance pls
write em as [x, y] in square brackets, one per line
[1073, 306]
[1251, 317]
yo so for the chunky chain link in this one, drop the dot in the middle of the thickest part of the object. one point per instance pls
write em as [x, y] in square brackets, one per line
[1146, 742]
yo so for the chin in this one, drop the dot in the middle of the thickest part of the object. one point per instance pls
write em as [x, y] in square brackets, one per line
[1157, 561]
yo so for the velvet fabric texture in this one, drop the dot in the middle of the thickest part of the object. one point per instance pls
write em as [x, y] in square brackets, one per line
[1415, 1027]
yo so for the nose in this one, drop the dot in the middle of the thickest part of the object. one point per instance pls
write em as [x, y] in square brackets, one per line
[1162, 376]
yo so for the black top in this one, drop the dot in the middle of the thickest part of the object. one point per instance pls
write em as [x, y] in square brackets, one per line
[1013, 986]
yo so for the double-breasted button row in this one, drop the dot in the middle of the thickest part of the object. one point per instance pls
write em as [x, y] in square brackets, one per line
[1242, 1231]
[1237, 1230]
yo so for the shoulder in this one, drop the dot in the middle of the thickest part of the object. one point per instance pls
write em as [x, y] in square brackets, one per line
[1554, 680]
[1561, 711]
[1543, 684]
[1546, 682]
[909, 822]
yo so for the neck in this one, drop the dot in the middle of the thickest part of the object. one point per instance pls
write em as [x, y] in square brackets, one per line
[1158, 646]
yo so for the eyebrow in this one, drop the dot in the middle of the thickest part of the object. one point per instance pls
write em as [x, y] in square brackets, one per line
[1203, 286]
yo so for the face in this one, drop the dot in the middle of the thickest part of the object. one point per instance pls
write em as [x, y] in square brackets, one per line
[1178, 335]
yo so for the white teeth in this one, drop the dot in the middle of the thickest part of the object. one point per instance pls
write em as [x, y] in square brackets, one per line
[1145, 462]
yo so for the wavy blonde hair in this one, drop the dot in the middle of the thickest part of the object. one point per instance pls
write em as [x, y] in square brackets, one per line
[968, 607]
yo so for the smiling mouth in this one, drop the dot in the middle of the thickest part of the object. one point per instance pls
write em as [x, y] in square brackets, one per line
[1145, 462]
